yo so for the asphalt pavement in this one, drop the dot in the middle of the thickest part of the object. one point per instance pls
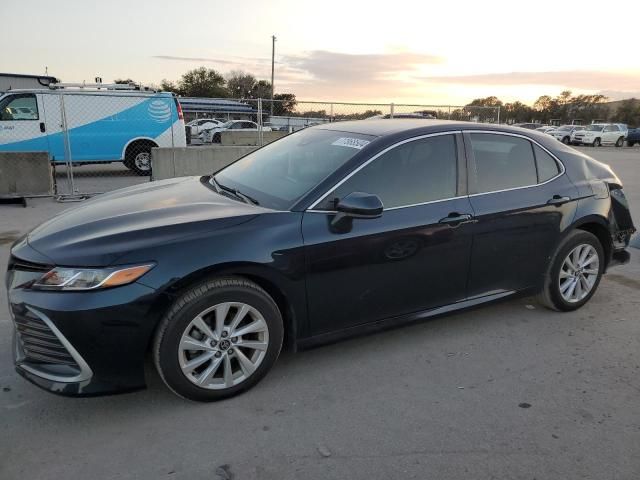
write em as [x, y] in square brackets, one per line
[506, 391]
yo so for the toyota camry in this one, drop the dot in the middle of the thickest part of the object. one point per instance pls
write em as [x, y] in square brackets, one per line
[329, 232]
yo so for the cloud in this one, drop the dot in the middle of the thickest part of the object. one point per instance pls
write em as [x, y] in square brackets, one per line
[194, 59]
[580, 79]
[345, 68]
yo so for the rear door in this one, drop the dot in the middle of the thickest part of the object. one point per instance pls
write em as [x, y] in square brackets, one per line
[22, 123]
[522, 202]
[414, 257]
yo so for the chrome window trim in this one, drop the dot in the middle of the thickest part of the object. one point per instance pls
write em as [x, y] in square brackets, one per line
[85, 371]
[509, 134]
[412, 139]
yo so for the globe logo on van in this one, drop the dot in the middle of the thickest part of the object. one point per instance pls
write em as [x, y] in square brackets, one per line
[159, 111]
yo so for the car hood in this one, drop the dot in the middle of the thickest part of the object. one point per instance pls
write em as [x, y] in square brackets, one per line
[136, 218]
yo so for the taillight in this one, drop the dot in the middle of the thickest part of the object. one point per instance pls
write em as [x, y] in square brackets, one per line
[179, 108]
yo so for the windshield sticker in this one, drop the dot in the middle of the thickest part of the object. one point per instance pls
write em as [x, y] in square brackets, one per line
[351, 142]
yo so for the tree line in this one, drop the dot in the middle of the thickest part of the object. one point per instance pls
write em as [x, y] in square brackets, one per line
[565, 108]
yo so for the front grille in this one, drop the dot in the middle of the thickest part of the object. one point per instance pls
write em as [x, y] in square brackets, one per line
[39, 343]
[16, 263]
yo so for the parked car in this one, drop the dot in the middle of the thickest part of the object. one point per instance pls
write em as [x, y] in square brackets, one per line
[598, 134]
[564, 132]
[528, 126]
[633, 137]
[103, 125]
[624, 128]
[197, 126]
[545, 128]
[333, 230]
[212, 135]
[424, 115]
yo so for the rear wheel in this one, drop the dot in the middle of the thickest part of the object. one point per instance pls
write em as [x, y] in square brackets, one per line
[138, 157]
[620, 142]
[218, 340]
[630, 144]
[574, 273]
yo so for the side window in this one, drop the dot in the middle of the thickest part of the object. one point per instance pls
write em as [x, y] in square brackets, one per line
[19, 107]
[547, 166]
[502, 162]
[415, 172]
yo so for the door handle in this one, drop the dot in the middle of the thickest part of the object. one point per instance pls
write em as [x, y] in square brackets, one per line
[454, 219]
[42, 127]
[558, 200]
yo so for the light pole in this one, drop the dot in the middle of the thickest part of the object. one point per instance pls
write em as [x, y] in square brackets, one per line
[273, 56]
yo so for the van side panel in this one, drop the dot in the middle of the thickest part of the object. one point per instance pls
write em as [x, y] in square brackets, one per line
[101, 125]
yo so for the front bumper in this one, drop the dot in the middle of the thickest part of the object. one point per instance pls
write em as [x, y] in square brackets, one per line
[83, 343]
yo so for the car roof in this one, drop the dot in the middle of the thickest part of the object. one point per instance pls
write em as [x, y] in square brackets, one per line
[384, 127]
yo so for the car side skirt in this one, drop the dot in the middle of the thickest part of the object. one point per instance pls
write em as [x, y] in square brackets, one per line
[393, 322]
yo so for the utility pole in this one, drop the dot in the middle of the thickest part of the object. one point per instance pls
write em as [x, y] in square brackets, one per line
[273, 56]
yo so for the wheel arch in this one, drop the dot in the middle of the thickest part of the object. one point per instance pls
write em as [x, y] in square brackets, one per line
[598, 226]
[270, 280]
[135, 140]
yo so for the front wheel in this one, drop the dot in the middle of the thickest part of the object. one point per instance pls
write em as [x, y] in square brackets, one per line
[138, 158]
[566, 140]
[218, 340]
[630, 144]
[596, 143]
[620, 142]
[574, 273]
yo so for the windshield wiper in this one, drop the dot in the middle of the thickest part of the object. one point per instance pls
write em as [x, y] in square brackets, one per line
[242, 196]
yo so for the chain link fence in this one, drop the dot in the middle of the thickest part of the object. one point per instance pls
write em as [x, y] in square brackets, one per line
[100, 139]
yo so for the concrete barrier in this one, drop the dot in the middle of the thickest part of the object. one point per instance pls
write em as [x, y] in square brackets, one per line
[230, 137]
[185, 161]
[24, 174]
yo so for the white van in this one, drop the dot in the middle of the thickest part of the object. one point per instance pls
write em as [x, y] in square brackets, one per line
[102, 125]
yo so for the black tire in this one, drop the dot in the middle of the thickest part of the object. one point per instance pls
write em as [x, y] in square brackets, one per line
[550, 295]
[566, 140]
[620, 142]
[133, 158]
[191, 304]
[216, 138]
[596, 143]
[630, 144]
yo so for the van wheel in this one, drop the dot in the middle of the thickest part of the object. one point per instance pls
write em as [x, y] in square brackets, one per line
[138, 157]
[218, 339]
[620, 142]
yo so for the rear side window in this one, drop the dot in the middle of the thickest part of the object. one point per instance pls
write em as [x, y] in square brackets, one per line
[416, 172]
[547, 166]
[19, 107]
[502, 162]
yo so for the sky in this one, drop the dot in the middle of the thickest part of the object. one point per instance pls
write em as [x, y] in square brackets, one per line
[422, 52]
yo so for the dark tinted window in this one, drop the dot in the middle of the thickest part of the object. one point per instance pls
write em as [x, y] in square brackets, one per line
[415, 172]
[502, 162]
[547, 166]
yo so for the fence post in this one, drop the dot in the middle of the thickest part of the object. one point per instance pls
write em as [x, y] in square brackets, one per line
[260, 136]
[498, 114]
[391, 110]
[331, 114]
[67, 146]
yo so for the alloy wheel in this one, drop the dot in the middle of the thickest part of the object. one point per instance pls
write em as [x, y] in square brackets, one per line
[223, 345]
[579, 273]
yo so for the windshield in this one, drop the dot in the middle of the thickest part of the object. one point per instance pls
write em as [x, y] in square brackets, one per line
[594, 128]
[280, 173]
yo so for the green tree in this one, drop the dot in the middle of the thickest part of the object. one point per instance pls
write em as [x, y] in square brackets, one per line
[240, 84]
[284, 104]
[203, 82]
[629, 112]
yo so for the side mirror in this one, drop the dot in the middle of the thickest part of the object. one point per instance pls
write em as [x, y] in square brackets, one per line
[360, 205]
[355, 205]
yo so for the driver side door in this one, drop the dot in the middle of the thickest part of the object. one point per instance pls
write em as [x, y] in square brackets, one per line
[414, 257]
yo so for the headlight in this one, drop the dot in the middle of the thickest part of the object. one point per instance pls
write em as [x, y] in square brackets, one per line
[62, 278]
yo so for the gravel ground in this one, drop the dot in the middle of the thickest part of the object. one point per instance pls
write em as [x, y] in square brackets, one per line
[507, 391]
